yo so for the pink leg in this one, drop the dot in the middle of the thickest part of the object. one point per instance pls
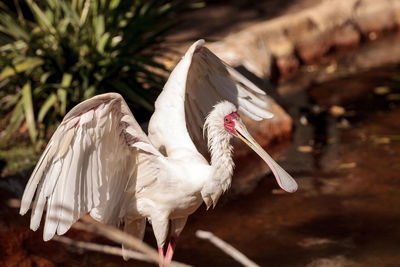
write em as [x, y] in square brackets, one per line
[171, 248]
[161, 254]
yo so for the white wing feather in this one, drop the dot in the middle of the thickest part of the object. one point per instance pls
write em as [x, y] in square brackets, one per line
[89, 161]
[198, 82]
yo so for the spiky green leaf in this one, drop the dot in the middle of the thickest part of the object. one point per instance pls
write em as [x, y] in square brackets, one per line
[15, 122]
[28, 64]
[28, 110]
[41, 17]
[47, 105]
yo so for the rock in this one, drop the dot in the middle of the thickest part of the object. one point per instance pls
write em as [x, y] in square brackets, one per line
[346, 37]
[313, 46]
[375, 16]
[396, 11]
[250, 53]
[287, 65]
[307, 36]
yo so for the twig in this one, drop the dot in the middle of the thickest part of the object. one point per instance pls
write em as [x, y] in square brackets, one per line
[102, 248]
[225, 247]
[118, 236]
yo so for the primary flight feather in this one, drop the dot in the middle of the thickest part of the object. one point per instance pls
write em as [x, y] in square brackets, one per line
[99, 160]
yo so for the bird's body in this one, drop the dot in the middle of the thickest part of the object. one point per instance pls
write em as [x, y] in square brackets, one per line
[179, 195]
[99, 160]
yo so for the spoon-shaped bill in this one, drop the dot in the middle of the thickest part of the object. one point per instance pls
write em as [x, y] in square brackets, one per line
[285, 181]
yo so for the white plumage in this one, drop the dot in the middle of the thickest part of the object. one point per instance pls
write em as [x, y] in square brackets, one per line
[100, 161]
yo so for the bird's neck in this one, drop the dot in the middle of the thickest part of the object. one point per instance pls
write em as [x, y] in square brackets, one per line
[221, 163]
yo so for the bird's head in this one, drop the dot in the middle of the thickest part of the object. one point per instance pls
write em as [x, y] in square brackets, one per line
[225, 114]
[230, 121]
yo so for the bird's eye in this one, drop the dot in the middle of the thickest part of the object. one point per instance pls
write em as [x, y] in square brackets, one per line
[226, 120]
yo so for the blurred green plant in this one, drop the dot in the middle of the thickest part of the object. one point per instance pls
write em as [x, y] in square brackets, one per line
[54, 54]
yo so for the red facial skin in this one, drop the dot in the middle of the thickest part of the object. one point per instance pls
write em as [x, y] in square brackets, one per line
[229, 122]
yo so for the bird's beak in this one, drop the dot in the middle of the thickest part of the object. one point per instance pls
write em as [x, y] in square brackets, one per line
[285, 181]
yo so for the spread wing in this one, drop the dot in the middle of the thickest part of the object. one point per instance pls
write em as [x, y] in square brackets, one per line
[198, 82]
[87, 166]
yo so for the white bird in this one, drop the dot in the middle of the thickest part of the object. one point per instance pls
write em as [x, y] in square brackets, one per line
[99, 160]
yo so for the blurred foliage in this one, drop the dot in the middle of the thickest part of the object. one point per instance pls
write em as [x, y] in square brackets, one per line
[17, 159]
[55, 54]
